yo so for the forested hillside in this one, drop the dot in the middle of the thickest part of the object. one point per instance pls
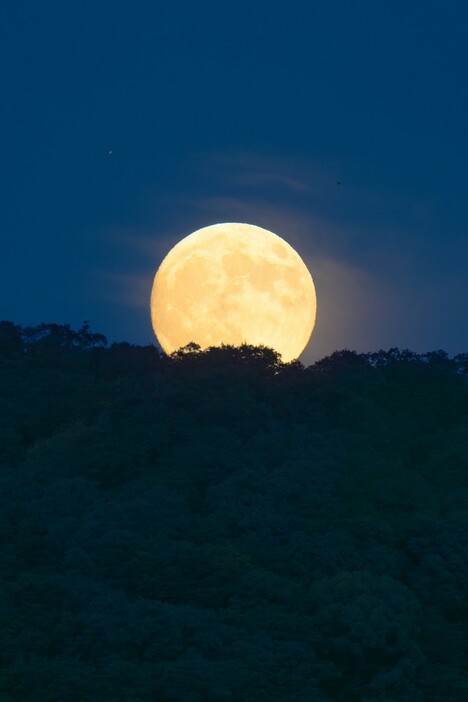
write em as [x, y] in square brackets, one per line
[220, 527]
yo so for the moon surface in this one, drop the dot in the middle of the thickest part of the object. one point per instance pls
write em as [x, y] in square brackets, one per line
[233, 284]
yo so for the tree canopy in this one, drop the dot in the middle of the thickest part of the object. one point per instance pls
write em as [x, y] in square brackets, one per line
[217, 526]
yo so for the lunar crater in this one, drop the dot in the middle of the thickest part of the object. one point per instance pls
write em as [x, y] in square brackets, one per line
[232, 284]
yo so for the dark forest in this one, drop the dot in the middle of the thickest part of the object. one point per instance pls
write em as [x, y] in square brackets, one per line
[217, 526]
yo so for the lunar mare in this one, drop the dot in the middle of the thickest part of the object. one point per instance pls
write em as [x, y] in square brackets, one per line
[233, 284]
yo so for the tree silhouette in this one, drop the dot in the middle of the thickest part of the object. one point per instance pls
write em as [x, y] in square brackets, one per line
[217, 525]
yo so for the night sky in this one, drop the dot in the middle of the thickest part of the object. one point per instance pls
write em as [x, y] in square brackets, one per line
[127, 125]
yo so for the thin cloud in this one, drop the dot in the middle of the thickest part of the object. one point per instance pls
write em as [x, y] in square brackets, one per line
[350, 303]
[359, 306]
[244, 170]
[128, 290]
[253, 170]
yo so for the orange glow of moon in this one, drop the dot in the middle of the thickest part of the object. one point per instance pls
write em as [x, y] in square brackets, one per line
[233, 284]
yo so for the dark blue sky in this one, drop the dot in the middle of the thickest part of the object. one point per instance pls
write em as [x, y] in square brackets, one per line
[238, 112]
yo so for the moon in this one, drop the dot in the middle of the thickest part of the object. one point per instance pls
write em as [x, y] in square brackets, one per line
[233, 284]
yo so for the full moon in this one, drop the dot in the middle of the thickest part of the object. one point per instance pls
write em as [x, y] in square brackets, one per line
[233, 284]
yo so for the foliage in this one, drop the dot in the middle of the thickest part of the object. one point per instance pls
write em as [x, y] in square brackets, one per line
[217, 526]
